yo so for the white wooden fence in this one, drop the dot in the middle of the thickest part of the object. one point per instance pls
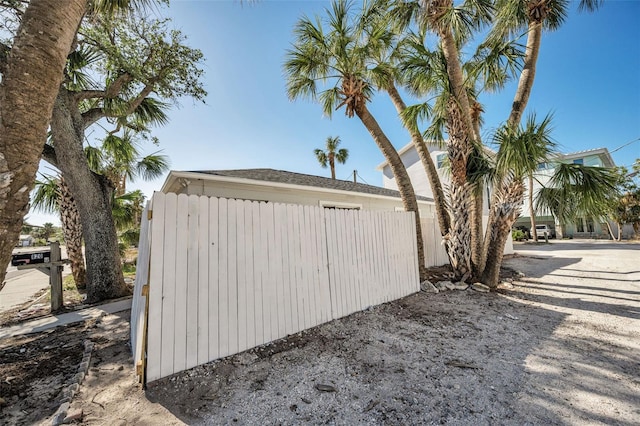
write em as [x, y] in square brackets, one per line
[227, 275]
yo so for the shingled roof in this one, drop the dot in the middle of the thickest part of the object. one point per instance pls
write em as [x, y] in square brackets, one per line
[292, 178]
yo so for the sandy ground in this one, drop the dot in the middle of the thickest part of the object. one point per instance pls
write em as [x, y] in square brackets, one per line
[559, 346]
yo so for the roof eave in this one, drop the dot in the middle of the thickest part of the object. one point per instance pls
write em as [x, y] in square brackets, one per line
[175, 175]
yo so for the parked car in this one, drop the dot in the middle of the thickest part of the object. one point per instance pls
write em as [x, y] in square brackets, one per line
[542, 230]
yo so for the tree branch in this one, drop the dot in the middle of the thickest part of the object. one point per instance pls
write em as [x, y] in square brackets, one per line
[110, 92]
[95, 114]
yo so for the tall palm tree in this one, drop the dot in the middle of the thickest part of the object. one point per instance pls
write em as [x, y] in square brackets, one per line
[337, 54]
[52, 195]
[331, 155]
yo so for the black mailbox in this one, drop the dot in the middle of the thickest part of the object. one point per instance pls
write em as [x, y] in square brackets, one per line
[31, 257]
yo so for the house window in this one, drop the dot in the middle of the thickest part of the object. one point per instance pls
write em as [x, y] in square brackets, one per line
[542, 166]
[441, 159]
[580, 225]
[579, 161]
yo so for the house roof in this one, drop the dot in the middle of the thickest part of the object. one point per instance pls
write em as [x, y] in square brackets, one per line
[602, 152]
[298, 179]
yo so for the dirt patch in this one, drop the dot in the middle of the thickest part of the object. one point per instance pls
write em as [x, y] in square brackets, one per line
[559, 346]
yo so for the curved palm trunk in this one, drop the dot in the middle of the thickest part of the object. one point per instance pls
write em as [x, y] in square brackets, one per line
[504, 212]
[477, 235]
[402, 178]
[92, 193]
[532, 212]
[72, 231]
[31, 76]
[427, 162]
[528, 73]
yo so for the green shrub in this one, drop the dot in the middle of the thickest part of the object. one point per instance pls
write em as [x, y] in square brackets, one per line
[517, 235]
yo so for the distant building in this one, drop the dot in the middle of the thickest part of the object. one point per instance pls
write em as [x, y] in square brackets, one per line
[26, 241]
[584, 227]
[419, 179]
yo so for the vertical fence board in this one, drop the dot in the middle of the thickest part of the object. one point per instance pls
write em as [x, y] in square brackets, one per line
[203, 280]
[154, 321]
[214, 248]
[182, 241]
[223, 278]
[232, 275]
[291, 259]
[169, 290]
[250, 282]
[280, 249]
[272, 292]
[316, 264]
[307, 280]
[288, 284]
[193, 271]
[242, 276]
[323, 265]
[258, 271]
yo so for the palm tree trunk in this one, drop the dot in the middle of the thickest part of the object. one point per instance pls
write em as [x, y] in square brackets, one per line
[477, 235]
[92, 194]
[31, 76]
[427, 162]
[527, 76]
[460, 193]
[402, 178]
[72, 231]
[332, 165]
[456, 79]
[525, 84]
[532, 212]
[505, 211]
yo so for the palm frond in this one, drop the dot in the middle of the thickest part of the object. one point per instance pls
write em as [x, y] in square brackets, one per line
[46, 196]
[151, 166]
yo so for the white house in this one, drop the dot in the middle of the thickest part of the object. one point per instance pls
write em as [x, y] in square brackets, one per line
[419, 178]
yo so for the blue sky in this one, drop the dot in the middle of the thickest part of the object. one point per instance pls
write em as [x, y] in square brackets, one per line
[588, 75]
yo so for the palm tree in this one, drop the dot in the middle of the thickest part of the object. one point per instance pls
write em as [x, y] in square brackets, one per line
[520, 151]
[52, 195]
[119, 159]
[338, 56]
[331, 155]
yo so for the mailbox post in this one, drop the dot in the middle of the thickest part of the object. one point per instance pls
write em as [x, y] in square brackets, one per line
[53, 268]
